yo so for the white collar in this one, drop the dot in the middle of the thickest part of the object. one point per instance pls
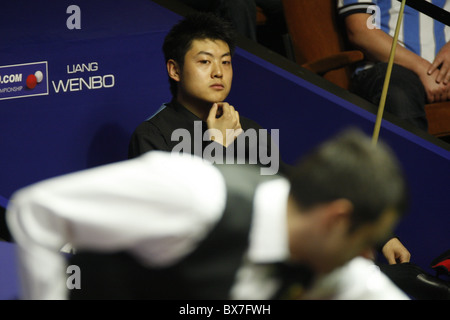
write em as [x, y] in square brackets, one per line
[268, 233]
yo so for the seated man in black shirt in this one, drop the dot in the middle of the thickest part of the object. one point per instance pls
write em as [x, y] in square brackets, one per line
[198, 53]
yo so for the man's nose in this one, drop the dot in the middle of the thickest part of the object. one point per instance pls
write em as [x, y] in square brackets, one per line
[217, 71]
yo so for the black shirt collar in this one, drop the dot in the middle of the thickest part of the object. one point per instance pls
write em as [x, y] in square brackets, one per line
[178, 107]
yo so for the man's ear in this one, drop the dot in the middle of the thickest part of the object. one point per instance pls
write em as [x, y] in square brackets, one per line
[338, 213]
[173, 70]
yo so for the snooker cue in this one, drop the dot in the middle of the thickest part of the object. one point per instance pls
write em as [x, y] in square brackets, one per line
[376, 131]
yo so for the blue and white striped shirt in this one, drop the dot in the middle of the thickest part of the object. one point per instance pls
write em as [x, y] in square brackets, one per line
[419, 33]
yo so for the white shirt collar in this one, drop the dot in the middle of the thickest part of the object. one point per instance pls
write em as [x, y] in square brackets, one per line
[268, 233]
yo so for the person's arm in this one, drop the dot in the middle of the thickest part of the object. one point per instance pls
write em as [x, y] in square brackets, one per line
[442, 63]
[395, 252]
[223, 123]
[376, 44]
[156, 206]
[146, 138]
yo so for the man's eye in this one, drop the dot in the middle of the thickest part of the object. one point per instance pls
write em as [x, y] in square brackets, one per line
[204, 61]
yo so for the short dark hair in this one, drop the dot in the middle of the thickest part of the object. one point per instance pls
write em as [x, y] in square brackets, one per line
[196, 26]
[350, 166]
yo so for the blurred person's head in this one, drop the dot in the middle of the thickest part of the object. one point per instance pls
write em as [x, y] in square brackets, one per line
[346, 197]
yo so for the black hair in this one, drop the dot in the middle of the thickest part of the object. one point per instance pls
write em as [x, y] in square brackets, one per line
[196, 26]
[350, 166]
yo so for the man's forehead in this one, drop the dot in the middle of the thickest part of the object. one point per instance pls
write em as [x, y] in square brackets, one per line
[209, 46]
